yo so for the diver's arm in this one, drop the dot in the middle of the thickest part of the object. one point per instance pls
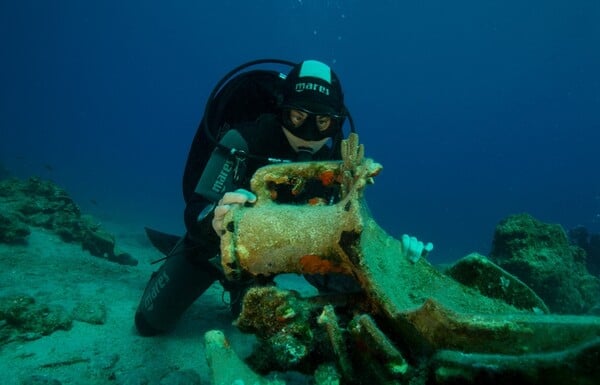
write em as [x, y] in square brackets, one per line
[221, 174]
[238, 197]
[198, 216]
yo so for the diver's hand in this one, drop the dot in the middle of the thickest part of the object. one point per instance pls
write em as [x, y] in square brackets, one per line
[415, 249]
[237, 197]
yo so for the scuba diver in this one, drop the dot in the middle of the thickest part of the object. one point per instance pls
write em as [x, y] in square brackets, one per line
[251, 119]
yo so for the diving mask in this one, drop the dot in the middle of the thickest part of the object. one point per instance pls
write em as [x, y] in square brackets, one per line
[310, 126]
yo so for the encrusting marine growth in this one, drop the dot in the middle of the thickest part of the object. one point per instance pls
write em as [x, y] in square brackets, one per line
[412, 321]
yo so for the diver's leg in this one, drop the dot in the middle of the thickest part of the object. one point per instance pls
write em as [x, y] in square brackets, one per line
[182, 278]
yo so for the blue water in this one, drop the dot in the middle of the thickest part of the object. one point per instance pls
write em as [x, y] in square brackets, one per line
[476, 109]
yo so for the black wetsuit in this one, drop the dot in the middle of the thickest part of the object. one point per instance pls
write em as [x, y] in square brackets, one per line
[188, 271]
[265, 138]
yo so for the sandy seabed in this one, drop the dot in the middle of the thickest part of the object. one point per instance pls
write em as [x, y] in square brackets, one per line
[58, 273]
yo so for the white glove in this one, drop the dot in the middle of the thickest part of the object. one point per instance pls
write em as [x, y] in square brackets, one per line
[237, 197]
[414, 249]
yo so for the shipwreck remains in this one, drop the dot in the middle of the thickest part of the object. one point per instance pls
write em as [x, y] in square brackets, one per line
[412, 323]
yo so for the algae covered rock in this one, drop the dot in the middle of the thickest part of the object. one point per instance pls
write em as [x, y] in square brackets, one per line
[39, 203]
[98, 242]
[12, 229]
[89, 312]
[541, 256]
[22, 318]
[590, 242]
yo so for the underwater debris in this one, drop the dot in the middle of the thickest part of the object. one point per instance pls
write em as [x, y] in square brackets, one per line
[541, 256]
[491, 280]
[414, 321]
[22, 318]
[225, 366]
